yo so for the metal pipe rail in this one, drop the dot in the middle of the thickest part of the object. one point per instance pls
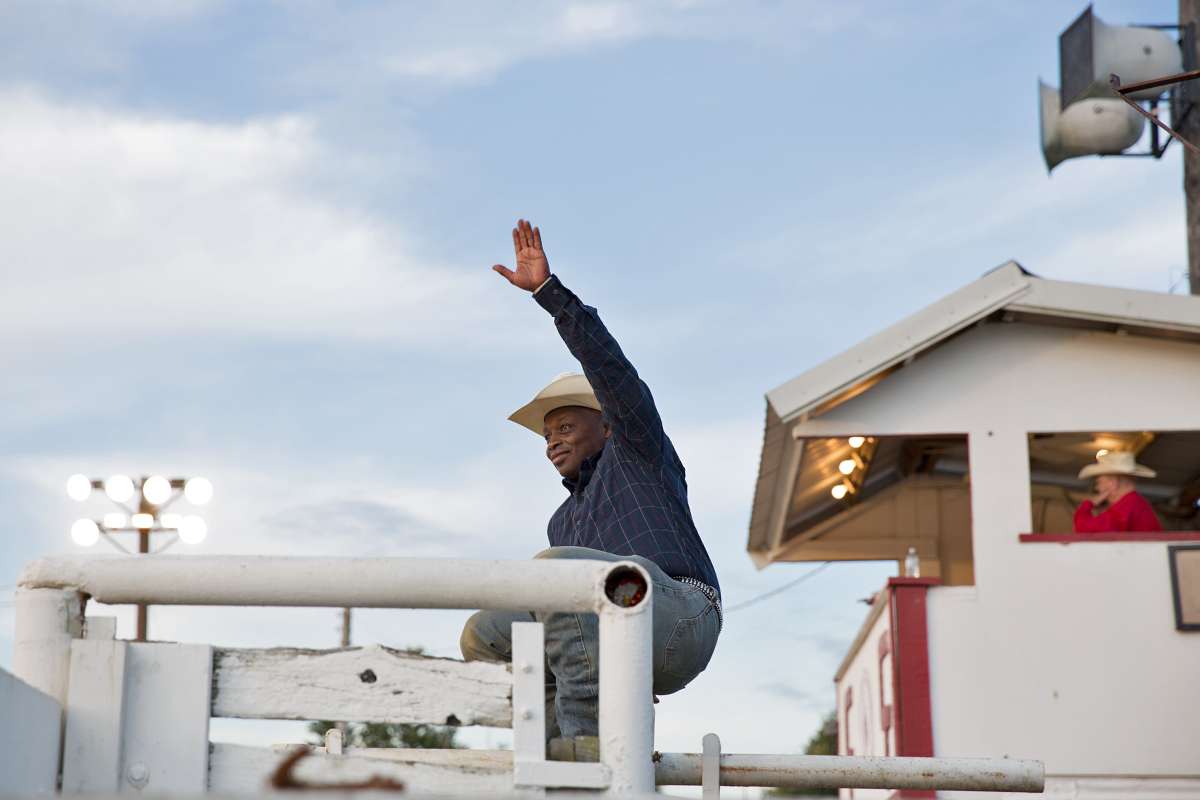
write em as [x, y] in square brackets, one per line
[536, 585]
[857, 772]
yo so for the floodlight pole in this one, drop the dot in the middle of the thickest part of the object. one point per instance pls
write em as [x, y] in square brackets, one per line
[143, 612]
[1189, 129]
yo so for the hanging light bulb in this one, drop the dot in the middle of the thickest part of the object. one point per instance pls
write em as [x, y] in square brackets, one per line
[119, 488]
[192, 529]
[85, 532]
[839, 491]
[143, 522]
[857, 441]
[79, 487]
[114, 520]
[847, 466]
[198, 491]
[156, 489]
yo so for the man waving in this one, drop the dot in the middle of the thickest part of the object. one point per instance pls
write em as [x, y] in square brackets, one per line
[627, 500]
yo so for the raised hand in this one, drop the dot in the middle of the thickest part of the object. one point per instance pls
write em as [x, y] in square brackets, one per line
[532, 267]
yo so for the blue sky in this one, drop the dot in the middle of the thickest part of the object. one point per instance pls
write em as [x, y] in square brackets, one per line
[252, 242]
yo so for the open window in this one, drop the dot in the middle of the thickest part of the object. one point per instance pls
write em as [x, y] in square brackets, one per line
[1055, 460]
[867, 498]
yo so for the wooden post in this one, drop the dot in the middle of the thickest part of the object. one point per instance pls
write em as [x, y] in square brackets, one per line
[143, 622]
[1189, 129]
[343, 728]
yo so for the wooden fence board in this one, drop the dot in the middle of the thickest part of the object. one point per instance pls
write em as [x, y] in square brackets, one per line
[359, 684]
[462, 773]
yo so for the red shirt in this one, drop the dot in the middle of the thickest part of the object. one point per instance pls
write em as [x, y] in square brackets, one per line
[1131, 513]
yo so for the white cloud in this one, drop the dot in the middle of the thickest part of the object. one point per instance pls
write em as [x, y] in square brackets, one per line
[120, 224]
[913, 239]
[469, 43]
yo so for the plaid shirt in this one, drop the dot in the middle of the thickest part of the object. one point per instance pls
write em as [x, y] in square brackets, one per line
[631, 497]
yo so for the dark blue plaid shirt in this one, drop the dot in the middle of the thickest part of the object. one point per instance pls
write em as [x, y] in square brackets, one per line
[631, 497]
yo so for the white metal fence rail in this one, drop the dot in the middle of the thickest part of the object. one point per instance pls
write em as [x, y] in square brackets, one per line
[128, 727]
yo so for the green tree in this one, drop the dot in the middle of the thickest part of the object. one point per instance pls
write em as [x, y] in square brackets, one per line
[387, 734]
[823, 743]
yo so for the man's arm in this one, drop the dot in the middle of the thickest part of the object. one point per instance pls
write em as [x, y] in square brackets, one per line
[625, 398]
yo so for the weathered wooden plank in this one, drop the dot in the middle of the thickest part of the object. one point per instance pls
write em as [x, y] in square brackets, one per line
[360, 684]
[461, 773]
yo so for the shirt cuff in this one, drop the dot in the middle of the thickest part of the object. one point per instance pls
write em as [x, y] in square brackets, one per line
[552, 295]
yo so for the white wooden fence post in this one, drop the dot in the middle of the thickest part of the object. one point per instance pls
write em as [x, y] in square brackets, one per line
[46, 622]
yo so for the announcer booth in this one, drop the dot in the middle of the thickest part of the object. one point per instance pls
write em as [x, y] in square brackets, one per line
[951, 444]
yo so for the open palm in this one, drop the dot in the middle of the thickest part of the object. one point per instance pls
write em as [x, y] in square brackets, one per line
[532, 266]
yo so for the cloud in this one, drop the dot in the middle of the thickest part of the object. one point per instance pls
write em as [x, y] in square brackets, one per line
[364, 525]
[127, 226]
[808, 700]
[477, 46]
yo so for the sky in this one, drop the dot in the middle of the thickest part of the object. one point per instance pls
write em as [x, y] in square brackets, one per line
[253, 242]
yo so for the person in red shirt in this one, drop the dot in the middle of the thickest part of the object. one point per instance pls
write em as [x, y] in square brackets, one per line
[1116, 506]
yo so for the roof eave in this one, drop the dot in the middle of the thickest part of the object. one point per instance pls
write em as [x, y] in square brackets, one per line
[841, 375]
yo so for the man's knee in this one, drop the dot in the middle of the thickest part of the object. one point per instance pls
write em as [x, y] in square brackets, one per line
[583, 553]
[479, 642]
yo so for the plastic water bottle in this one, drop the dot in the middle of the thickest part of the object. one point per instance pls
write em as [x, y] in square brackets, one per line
[912, 564]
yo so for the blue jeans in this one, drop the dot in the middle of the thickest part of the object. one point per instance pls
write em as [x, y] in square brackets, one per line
[685, 635]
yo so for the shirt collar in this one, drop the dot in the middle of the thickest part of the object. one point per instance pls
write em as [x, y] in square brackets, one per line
[578, 484]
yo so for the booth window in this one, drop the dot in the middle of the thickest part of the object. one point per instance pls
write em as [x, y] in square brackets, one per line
[867, 498]
[1171, 495]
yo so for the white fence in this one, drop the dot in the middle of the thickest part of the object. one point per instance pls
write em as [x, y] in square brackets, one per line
[136, 714]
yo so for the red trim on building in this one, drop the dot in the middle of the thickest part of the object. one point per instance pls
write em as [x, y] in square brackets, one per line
[1084, 538]
[913, 713]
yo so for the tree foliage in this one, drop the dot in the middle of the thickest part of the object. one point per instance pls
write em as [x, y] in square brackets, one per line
[823, 743]
[386, 734]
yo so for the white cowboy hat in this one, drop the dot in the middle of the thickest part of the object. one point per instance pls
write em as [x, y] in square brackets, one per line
[567, 389]
[1116, 462]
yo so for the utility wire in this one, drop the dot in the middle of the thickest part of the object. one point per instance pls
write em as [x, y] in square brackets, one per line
[777, 589]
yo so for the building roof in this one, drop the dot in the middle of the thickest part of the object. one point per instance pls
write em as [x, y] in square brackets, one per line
[1007, 288]
[1008, 292]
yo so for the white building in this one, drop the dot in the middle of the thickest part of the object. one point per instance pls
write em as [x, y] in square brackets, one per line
[1021, 638]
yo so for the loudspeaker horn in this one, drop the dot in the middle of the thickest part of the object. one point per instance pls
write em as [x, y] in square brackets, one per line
[1090, 50]
[1093, 126]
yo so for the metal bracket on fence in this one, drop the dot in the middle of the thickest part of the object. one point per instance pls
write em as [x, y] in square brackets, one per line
[529, 692]
[530, 767]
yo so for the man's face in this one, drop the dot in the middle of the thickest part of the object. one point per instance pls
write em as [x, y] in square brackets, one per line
[1111, 487]
[1105, 484]
[573, 433]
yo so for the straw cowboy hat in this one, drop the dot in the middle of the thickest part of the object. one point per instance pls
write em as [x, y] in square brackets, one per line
[1116, 462]
[567, 389]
